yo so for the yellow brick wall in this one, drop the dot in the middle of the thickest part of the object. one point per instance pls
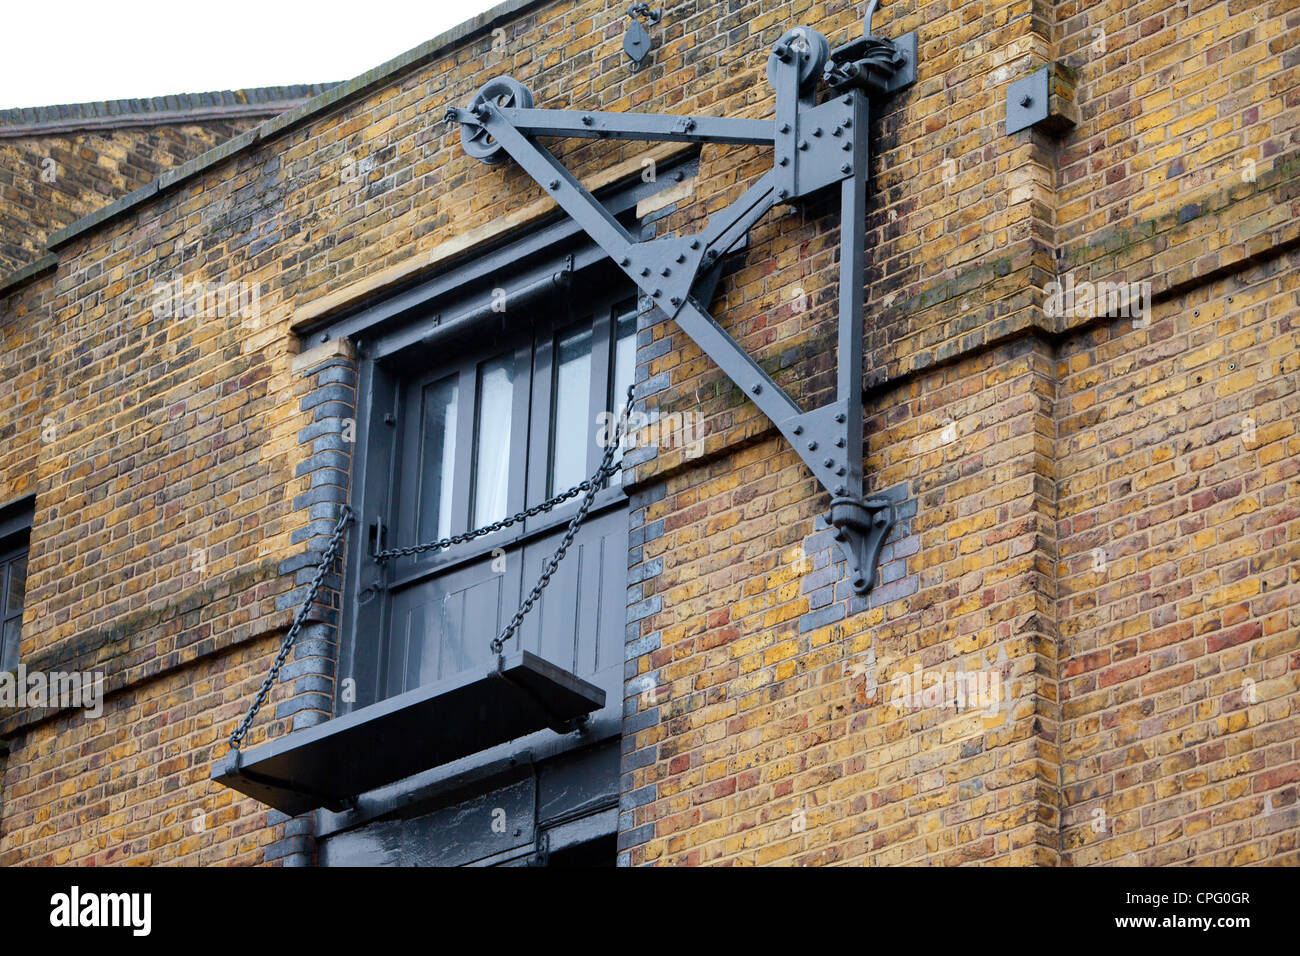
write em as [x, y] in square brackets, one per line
[771, 743]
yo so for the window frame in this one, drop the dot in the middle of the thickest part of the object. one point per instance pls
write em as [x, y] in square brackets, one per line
[15, 546]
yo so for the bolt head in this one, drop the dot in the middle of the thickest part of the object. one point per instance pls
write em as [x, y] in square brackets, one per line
[756, 388]
[1026, 101]
[812, 446]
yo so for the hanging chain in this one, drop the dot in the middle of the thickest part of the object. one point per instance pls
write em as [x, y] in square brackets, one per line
[607, 468]
[587, 488]
[442, 543]
[326, 562]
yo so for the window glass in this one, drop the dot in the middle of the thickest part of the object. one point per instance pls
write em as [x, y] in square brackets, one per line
[438, 436]
[9, 641]
[624, 369]
[492, 440]
[570, 421]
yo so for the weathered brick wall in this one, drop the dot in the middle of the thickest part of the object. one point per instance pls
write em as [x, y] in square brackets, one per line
[759, 726]
[1179, 575]
[49, 181]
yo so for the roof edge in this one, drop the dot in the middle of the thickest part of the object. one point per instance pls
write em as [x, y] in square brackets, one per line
[21, 276]
[290, 118]
[157, 110]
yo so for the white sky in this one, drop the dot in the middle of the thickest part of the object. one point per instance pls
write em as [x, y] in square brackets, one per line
[76, 51]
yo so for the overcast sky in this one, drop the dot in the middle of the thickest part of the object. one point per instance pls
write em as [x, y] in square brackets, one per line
[74, 51]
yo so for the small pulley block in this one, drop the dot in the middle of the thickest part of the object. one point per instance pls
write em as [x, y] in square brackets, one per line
[475, 139]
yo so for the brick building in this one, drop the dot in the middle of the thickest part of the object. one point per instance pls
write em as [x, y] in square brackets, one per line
[1080, 391]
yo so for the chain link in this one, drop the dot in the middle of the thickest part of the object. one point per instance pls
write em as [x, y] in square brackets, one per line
[587, 488]
[326, 561]
[442, 543]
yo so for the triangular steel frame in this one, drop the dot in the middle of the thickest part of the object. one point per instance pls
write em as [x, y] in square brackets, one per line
[815, 146]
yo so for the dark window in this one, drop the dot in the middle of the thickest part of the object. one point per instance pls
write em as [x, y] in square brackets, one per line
[488, 425]
[13, 583]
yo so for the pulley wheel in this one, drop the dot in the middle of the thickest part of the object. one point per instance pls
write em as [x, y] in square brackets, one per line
[812, 50]
[475, 139]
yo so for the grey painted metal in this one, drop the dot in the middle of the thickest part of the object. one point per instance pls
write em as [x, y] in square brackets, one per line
[1027, 100]
[330, 764]
[636, 41]
[814, 146]
[641, 126]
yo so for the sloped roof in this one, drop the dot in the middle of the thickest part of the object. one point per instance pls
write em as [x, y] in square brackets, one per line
[156, 110]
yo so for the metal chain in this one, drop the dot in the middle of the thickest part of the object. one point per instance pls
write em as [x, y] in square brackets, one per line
[589, 485]
[588, 488]
[326, 561]
[607, 468]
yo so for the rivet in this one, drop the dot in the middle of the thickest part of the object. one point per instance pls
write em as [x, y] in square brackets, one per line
[817, 131]
[839, 472]
[756, 388]
[785, 127]
[828, 463]
[798, 429]
[586, 121]
[846, 167]
[838, 131]
[847, 146]
[848, 122]
[1026, 101]
[839, 443]
[675, 300]
[840, 417]
[645, 271]
[681, 259]
[840, 490]
[803, 144]
[625, 261]
[554, 184]
[812, 446]
[780, 194]
[783, 161]
[667, 272]
[695, 243]
[657, 293]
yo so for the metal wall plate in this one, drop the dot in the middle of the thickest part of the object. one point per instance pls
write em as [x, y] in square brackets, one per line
[1028, 101]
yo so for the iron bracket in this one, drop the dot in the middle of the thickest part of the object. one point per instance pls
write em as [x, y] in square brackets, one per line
[815, 146]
